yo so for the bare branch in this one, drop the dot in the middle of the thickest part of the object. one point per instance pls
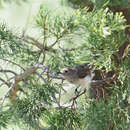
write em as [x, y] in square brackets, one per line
[53, 44]
[33, 42]
[4, 82]
[7, 80]
[28, 72]
[75, 97]
[21, 77]
[10, 71]
[37, 44]
[40, 76]
[44, 26]
[58, 38]
[60, 94]
[123, 48]
[12, 62]
[70, 49]
[7, 94]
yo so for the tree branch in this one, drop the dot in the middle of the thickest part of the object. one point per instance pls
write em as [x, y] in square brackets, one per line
[21, 77]
[33, 42]
[28, 72]
[44, 26]
[5, 82]
[10, 71]
[37, 44]
[12, 62]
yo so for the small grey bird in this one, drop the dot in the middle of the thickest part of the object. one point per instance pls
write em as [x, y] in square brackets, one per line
[81, 75]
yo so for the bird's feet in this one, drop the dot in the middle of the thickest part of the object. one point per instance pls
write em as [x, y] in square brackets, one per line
[76, 92]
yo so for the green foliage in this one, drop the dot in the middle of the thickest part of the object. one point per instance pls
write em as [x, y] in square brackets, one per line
[104, 32]
[103, 115]
[4, 118]
[30, 108]
[55, 25]
[56, 28]
[63, 119]
[12, 45]
[100, 33]
[8, 41]
[100, 3]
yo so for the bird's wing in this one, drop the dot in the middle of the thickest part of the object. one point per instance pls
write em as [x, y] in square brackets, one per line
[83, 70]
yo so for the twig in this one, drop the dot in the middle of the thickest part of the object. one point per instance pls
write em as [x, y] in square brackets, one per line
[72, 49]
[13, 63]
[5, 82]
[21, 68]
[44, 26]
[60, 95]
[21, 77]
[40, 76]
[10, 71]
[105, 80]
[58, 38]
[38, 45]
[7, 94]
[28, 72]
[43, 59]
[60, 90]
[53, 44]
[8, 80]
[75, 97]
[6, 75]
[33, 42]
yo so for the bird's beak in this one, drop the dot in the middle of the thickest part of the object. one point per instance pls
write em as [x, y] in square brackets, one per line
[59, 73]
[62, 72]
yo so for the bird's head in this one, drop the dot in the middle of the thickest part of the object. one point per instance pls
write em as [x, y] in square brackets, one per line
[68, 73]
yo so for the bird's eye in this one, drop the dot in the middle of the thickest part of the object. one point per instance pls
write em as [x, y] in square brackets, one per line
[66, 71]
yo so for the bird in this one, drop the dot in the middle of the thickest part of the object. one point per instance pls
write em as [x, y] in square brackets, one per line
[81, 75]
